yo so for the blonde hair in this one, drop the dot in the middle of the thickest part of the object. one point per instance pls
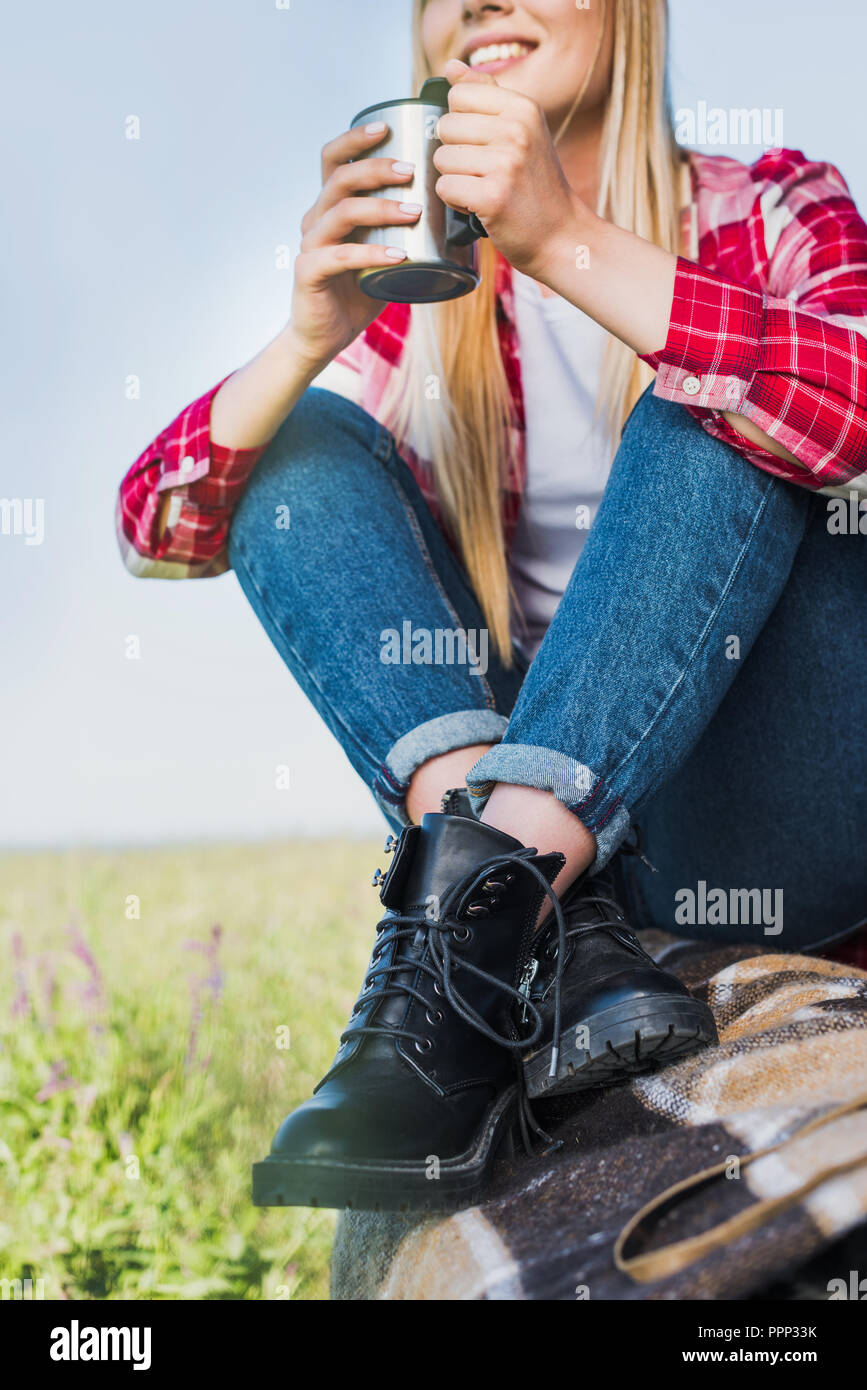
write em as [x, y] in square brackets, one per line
[465, 439]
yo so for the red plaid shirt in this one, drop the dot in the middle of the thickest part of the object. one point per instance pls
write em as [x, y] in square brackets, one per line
[768, 320]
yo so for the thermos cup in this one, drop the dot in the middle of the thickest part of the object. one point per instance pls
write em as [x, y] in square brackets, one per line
[441, 245]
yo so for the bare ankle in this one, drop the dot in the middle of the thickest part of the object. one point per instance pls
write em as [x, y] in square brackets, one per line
[434, 778]
[537, 818]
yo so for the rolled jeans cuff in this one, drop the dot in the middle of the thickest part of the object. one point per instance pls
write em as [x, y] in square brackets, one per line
[578, 787]
[429, 740]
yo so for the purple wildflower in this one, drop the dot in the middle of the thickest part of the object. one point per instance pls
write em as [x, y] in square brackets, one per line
[202, 986]
[60, 1080]
[93, 992]
[21, 1003]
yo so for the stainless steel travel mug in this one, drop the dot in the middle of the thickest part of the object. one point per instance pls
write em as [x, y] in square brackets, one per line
[441, 245]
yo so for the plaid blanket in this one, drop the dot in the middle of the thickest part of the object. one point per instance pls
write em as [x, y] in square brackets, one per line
[714, 1178]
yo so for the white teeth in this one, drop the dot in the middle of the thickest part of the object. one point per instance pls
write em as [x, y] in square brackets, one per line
[497, 53]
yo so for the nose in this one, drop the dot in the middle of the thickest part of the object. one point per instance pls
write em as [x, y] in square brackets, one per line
[473, 9]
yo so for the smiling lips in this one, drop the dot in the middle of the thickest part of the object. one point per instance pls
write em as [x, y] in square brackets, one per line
[491, 57]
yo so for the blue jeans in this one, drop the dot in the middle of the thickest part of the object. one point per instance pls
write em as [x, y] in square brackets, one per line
[703, 677]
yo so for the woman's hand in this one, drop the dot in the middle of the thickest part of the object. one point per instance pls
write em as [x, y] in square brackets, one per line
[329, 309]
[498, 160]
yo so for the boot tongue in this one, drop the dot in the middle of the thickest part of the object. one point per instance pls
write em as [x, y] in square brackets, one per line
[448, 848]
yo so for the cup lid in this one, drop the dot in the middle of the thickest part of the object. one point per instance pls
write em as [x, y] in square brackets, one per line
[434, 92]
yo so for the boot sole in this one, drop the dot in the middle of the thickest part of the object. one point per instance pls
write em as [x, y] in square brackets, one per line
[399, 1186]
[626, 1040]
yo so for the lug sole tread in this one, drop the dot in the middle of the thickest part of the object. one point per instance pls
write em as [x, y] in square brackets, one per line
[623, 1047]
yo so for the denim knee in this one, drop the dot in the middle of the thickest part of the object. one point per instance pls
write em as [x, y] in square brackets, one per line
[324, 436]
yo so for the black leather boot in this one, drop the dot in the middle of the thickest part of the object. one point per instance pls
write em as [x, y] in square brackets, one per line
[426, 1085]
[619, 1013]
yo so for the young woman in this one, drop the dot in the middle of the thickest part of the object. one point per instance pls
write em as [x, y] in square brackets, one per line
[668, 345]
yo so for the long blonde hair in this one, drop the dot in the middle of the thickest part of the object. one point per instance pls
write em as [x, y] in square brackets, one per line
[464, 435]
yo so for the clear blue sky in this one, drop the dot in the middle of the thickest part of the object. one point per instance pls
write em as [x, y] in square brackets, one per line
[156, 258]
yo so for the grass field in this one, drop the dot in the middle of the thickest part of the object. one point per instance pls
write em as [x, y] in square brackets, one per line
[144, 1066]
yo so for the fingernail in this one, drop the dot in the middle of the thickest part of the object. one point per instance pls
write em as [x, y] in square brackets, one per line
[410, 207]
[400, 167]
[374, 128]
[394, 253]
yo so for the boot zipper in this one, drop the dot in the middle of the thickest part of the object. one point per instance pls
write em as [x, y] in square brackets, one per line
[531, 969]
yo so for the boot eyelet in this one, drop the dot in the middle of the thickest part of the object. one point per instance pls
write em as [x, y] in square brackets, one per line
[368, 984]
[423, 1045]
[461, 934]
[491, 884]
[479, 909]
[433, 1016]
[438, 989]
[552, 950]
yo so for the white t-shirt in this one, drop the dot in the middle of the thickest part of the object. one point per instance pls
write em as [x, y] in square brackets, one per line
[568, 452]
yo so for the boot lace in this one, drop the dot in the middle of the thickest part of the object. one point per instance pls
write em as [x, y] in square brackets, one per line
[615, 925]
[442, 965]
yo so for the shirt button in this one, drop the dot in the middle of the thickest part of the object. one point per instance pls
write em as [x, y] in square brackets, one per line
[188, 464]
[692, 386]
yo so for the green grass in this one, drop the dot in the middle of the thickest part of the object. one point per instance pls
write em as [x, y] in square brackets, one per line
[125, 1143]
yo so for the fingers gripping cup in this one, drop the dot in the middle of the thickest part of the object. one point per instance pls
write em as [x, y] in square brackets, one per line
[440, 246]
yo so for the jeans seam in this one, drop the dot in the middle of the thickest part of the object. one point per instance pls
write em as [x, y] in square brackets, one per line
[701, 640]
[395, 781]
[584, 809]
[585, 804]
[383, 443]
[617, 801]
[395, 793]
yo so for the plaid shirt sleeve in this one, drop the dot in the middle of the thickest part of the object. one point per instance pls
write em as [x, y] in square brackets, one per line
[792, 360]
[204, 482]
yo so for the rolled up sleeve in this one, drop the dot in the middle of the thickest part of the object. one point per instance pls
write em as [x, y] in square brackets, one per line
[792, 360]
[184, 535]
